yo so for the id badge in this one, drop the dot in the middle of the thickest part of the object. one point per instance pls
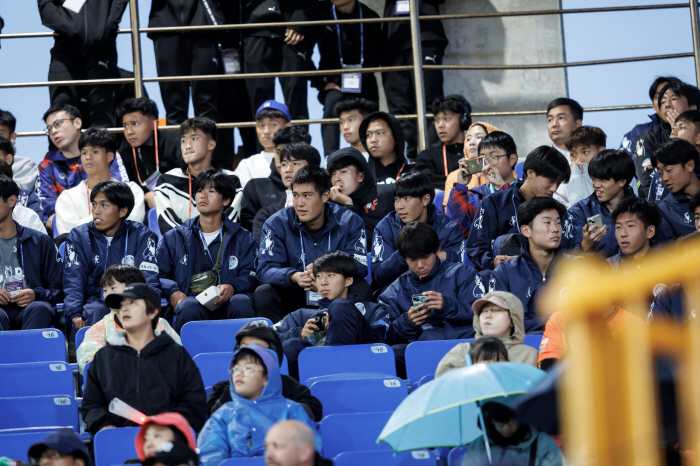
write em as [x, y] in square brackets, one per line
[14, 284]
[312, 298]
[232, 61]
[402, 7]
[351, 82]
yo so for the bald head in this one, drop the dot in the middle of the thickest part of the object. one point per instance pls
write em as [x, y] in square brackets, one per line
[289, 443]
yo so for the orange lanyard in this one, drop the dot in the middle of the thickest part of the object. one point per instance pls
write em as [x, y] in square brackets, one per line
[444, 157]
[399, 173]
[133, 150]
[190, 189]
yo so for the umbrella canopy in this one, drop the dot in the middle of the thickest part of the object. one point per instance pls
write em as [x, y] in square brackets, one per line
[539, 406]
[444, 412]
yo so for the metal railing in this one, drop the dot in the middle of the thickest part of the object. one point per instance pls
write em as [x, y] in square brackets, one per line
[417, 67]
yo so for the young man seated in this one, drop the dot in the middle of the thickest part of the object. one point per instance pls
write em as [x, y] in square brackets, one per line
[540, 220]
[677, 162]
[209, 250]
[108, 239]
[500, 156]
[149, 372]
[31, 278]
[293, 157]
[115, 279]
[260, 193]
[175, 202]
[239, 427]
[354, 187]
[24, 170]
[271, 117]
[544, 170]
[413, 202]
[452, 119]
[146, 151]
[611, 172]
[97, 149]
[351, 112]
[341, 319]
[27, 197]
[498, 314]
[382, 136]
[583, 144]
[295, 236]
[61, 169]
[259, 333]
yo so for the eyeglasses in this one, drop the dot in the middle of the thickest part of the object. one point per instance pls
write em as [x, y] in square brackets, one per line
[493, 159]
[48, 456]
[57, 124]
[500, 425]
[244, 371]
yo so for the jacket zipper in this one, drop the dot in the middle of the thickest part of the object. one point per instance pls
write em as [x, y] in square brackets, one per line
[138, 371]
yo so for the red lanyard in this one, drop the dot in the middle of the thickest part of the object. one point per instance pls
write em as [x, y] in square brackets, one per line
[399, 173]
[444, 157]
[133, 150]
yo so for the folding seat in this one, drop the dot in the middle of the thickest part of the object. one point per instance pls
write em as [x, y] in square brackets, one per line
[422, 357]
[15, 444]
[352, 432]
[213, 336]
[36, 379]
[326, 360]
[39, 411]
[351, 393]
[115, 446]
[456, 456]
[20, 346]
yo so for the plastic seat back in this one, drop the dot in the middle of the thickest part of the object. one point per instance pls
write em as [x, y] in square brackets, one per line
[15, 445]
[36, 379]
[422, 357]
[437, 202]
[20, 346]
[385, 458]
[352, 432]
[153, 222]
[254, 461]
[457, 455]
[115, 446]
[213, 336]
[39, 411]
[533, 340]
[359, 395]
[326, 360]
[80, 336]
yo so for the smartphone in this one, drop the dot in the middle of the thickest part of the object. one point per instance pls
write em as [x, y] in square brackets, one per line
[594, 223]
[473, 166]
[418, 299]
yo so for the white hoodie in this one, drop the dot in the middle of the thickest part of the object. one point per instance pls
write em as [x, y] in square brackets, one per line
[256, 166]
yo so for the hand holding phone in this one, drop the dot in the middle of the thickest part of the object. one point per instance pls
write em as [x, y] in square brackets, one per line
[594, 223]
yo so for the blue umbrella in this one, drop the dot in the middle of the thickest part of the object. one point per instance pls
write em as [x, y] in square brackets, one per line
[444, 412]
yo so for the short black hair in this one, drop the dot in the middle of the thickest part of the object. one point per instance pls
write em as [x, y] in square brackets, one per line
[657, 81]
[548, 162]
[681, 89]
[338, 163]
[454, 103]
[290, 134]
[6, 146]
[9, 120]
[8, 188]
[122, 273]
[694, 202]
[142, 105]
[690, 116]
[615, 164]
[336, 262]
[301, 151]
[117, 192]
[413, 184]
[314, 175]
[98, 137]
[69, 109]
[488, 349]
[586, 136]
[204, 124]
[272, 114]
[221, 182]
[364, 106]
[676, 151]
[417, 240]
[151, 309]
[528, 210]
[574, 107]
[247, 353]
[649, 214]
[498, 140]
[6, 169]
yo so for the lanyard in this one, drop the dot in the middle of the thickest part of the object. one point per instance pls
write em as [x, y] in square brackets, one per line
[301, 241]
[190, 191]
[206, 247]
[444, 157]
[362, 38]
[133, 150]
[400, 170]
[87, 191]
[515, 209]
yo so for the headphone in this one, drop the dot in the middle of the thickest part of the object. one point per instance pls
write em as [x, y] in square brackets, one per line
[465, 119]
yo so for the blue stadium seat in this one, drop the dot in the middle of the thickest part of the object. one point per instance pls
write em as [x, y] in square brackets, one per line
[422, 357]
[425, 379]
[16, 444]
[115, 446]
[533, 340]
[214, 366]
[352, 432]
[456, 456]
[39, 411]
[53, 227]
[437, 202]
[19, 346]
[62, 250]
[254, 461]
[153, 222]
[358, 395]
[213, 336]
[36, 379]
[385, 458]
[519, 170]
[80, 336]
[326, 360]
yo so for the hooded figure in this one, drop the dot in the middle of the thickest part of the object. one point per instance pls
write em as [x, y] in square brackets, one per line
[390, 173]
[517, 351]
[239, 427]
[366, 202]
[174, 421]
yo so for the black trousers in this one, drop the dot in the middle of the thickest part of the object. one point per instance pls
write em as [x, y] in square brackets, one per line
[233, 107]
[70, 64]
[271, 55]
[183, 55]
[399, 87]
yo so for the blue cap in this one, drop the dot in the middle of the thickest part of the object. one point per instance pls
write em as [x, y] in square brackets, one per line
[63, 441]
[277, 106]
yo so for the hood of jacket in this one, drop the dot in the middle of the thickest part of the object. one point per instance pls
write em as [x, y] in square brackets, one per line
[517, 317]
[175, 420]
[367, 191]
[273, 387]
[396, 131]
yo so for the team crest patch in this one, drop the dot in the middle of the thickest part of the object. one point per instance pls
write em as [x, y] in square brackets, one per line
[232, 262]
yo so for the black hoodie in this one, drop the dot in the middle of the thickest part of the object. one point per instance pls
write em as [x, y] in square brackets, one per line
[166, 13]
[390, 173]
[259, 193]
[432, 163]
[160, 378]
[365, 201]
[170, 156]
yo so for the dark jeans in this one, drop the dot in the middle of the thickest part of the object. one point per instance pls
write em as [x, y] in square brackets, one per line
[238, 307]
[36, 315]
